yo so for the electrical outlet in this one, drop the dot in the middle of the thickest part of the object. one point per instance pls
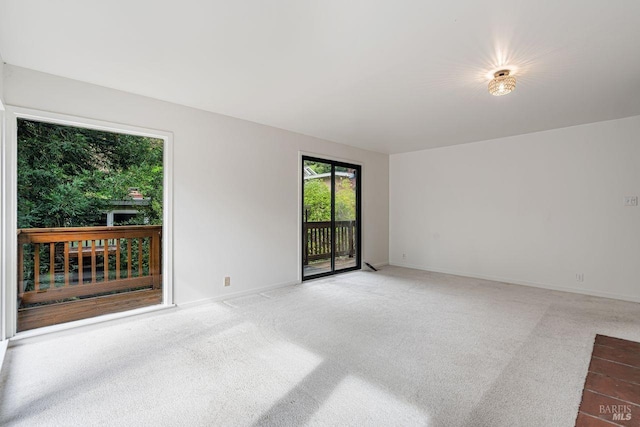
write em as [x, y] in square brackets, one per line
[404, 256]
[227, 281]
[579, 277]
[631, 200]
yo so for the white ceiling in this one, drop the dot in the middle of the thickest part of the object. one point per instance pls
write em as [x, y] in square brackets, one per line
[390, 76]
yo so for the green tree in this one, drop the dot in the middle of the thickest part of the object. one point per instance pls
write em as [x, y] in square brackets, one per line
[318, 167]
[345, 200]
[317, 200]
[68, 176]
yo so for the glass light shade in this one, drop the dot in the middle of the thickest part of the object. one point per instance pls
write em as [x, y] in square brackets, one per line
[502, 83]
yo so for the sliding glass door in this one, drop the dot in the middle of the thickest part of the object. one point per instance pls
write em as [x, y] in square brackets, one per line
[330, 217]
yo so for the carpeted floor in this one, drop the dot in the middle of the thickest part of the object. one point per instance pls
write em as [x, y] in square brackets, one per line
[396, 347]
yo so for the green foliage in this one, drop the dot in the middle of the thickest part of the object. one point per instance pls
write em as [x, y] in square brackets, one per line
[318, 167]
[317, 200]
[68, 176]
[345, 200]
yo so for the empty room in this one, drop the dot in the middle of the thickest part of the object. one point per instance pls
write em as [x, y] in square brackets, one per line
[322, 213]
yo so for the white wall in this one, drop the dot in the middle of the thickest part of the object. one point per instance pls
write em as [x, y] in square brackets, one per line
[1, 82]
[236, 198]
[532, 209]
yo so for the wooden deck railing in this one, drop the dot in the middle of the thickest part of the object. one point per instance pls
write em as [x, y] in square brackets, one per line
[57, 265]
[318, 239]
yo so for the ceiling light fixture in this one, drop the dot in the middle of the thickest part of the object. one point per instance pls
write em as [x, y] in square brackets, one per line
[502, 83]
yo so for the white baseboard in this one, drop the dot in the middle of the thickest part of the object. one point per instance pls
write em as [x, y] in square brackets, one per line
[236, 294]
[255, 290]
[551, 287]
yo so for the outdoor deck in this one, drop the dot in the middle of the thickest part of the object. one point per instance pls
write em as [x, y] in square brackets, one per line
[67, 274]
[325, 266]
[318, 248]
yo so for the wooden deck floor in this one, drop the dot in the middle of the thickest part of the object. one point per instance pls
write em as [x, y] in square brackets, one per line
[611, 395]
[53, 314]
[325, 266]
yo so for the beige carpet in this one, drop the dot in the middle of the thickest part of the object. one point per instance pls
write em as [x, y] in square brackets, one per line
[396, 347]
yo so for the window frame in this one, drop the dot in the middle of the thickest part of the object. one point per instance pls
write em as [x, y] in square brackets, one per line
[9, 167]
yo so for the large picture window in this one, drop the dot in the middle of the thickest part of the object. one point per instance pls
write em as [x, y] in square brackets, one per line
[89, 206]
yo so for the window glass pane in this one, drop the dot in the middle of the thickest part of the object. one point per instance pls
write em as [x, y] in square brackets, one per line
[345, 184]
[316, 218]
[89, 222]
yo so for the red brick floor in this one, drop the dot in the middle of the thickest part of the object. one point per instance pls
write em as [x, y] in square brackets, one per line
[611, 395]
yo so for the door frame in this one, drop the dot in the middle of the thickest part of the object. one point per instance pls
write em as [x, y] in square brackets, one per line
[334, 163]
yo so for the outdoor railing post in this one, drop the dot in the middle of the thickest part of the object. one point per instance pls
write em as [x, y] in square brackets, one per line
[52, 265]
[36, 267]
[80, 261]
[352, 251]
[93, 261]
[155, 243]
[66, 263]
[20, 267]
